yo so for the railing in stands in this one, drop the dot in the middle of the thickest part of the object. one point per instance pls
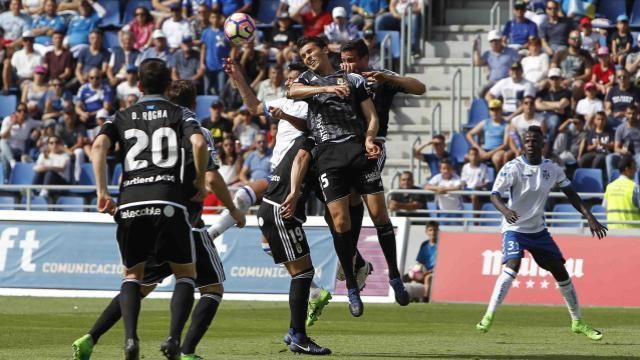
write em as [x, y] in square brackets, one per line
[426, 22]
[476, 73]
[438, 109]
[395, 179]
[456, 98]
[413, 160]
[406, 29]
[383, 53]
[494, 16]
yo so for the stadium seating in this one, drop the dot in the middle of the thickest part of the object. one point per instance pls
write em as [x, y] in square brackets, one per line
[115, 176]
[86, 178]
[614, 175]
[490, 207]
[112, 17]
[478, 111]
[111, 39]
[595, 209]
[38, 203]
[203, 104]
[69, 202]
[431, 205]
[588, 180]
[458, 147]
[7, 203]
[395, 42]
[267, 11]
[130, 8]
[634, 19]
[611, 9]
[7, 105]
[567, 208]
[22, 174]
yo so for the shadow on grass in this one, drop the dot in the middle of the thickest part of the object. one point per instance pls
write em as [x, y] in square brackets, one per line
[489, 357]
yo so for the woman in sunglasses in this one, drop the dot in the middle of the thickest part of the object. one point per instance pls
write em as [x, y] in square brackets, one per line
[52, 166]
[141, 27]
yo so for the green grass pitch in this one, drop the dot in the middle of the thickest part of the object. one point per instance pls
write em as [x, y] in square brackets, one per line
[44, 328]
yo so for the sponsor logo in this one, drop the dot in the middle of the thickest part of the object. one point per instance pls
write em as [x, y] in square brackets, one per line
[28, 245]
[148, 211]
[545, 174]
[168, 211]
[492, 266]
[275, 178]
[372, 177]
[149, 179]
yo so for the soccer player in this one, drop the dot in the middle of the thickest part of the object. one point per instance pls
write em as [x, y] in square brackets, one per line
[339, 107]
[151, 215]
[529, 179]
[210, 273]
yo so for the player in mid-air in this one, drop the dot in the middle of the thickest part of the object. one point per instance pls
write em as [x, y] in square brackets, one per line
[528, 179]
[151, 214]
[210, 273]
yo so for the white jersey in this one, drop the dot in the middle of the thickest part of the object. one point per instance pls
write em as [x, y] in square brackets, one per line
[287, 133]
[528, 188]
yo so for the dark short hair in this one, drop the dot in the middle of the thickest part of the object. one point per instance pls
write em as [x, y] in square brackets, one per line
[182, 92]
[433, 224]
[297, 66]
[357, 46]
[406, 172]
[97, 31]
[311, 39]
[474, 150]
[446, 161]
[439, 136]
[626, 162]
[275, 66]
[154, 76]
[535, 129]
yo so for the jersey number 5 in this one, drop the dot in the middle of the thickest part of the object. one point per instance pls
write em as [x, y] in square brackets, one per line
[324, 181]
[157, 154]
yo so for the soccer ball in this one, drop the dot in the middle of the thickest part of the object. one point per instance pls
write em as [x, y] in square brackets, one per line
[239, 28]
[417, 272]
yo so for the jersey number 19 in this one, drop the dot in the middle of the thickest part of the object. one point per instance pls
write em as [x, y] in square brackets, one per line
[157, 154]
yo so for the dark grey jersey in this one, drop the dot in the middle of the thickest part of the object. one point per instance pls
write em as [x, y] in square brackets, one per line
[382, 95]
[331, 118]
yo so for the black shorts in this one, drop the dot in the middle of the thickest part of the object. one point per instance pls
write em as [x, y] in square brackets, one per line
[208, 264]
[154, 228]
[383, 155]
[286, 238]
[344, 166]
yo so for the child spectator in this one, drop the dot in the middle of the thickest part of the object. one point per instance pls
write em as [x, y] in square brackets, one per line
[603, 71]
[214, 49]
[475, 176]
[591, 104]
[597, 145]
[444, 183]
[621, 40]
[422, 271]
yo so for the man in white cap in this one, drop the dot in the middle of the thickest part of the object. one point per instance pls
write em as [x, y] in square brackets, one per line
[23, 62]
[340, 30]
[159, 50]
[176, 27]
[499, 59]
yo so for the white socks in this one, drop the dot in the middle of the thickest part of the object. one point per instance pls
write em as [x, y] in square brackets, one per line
[503, 284]
[243, 199]
[570, 298]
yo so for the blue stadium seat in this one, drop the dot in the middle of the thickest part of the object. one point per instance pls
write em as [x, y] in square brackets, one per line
[130, 8]
[478, 111]
[110, 39]
[86, 178]
[490, 207]
[7, 203]
[568, 208]
[115, 177]
[112, 17]
[635, 16]
[93, 203]
[615, 173]
[203, 104]
[38, 203]
[458, 147]
[595, 209]
[395, 41]
[75, 203]
[611, 9]
[22, 174]
[7, 105]
[267, 11]
[588, 180]
[431, 205]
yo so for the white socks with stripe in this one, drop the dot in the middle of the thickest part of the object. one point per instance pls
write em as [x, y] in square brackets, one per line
[503, 284]
[243, 199]
[570, 298]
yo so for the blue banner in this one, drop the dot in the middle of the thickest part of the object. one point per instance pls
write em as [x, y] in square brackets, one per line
[84, 256]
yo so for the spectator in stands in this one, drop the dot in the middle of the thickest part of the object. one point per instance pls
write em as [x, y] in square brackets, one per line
[622, 196]
[42, 141]
[603, 71]
[536, 64]
[536, 12]
[231, 99]
[369, 38]
[312, 17]
[230, 162]
[404, 203]
[619, 98]
[444, 183]
[58, 61]
[176, 27]
[187, 64]
[575, 63]
[554, 102]
[46, 24]
[33, 93]
[216, 123]
[14, 133]
[512, 90]
[257, 164]
[626, 140]
[14, 23]
[128, 87]
[95, 56]
[520, 123]
[52, 166]
[272, 88]
[499, 59]
[392, 20]
[598, 144]
[82, 24]
[245, 130]
[101, 117]
[121, 58]
[475, 176]
[283, 33]
[92, 97]
[200, 22]
[159, 50]
[591, 104]
[621, 40]
[23, 62]
[33, 8]
[568, 145]
[439, 154]
[141, 27]
[254, 63]
[633, 63]
[228, 7]
[493, 130]
[518, 31]
[364, 11]
[590, 40]
[555, 31]
[162, 8]
[214, 48]
[422, 271]
[340, 30]
[55, 100]
[73, 136]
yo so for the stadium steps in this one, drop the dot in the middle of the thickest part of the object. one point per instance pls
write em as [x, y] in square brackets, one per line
[473, 12]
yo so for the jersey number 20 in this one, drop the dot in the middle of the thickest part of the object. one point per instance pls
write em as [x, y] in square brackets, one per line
[157, 156]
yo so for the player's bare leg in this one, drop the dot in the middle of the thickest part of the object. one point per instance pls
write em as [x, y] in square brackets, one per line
[201, 318]
[181, 304]
[500, 290]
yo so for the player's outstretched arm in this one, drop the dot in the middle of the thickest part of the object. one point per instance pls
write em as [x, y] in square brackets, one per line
[409, 84]
[510, 215]
[299, 91]
[216, 184]
[298, 172]
[371, 117]
[596, 228]
[200, 160]
[248, 96]
[99, 150]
